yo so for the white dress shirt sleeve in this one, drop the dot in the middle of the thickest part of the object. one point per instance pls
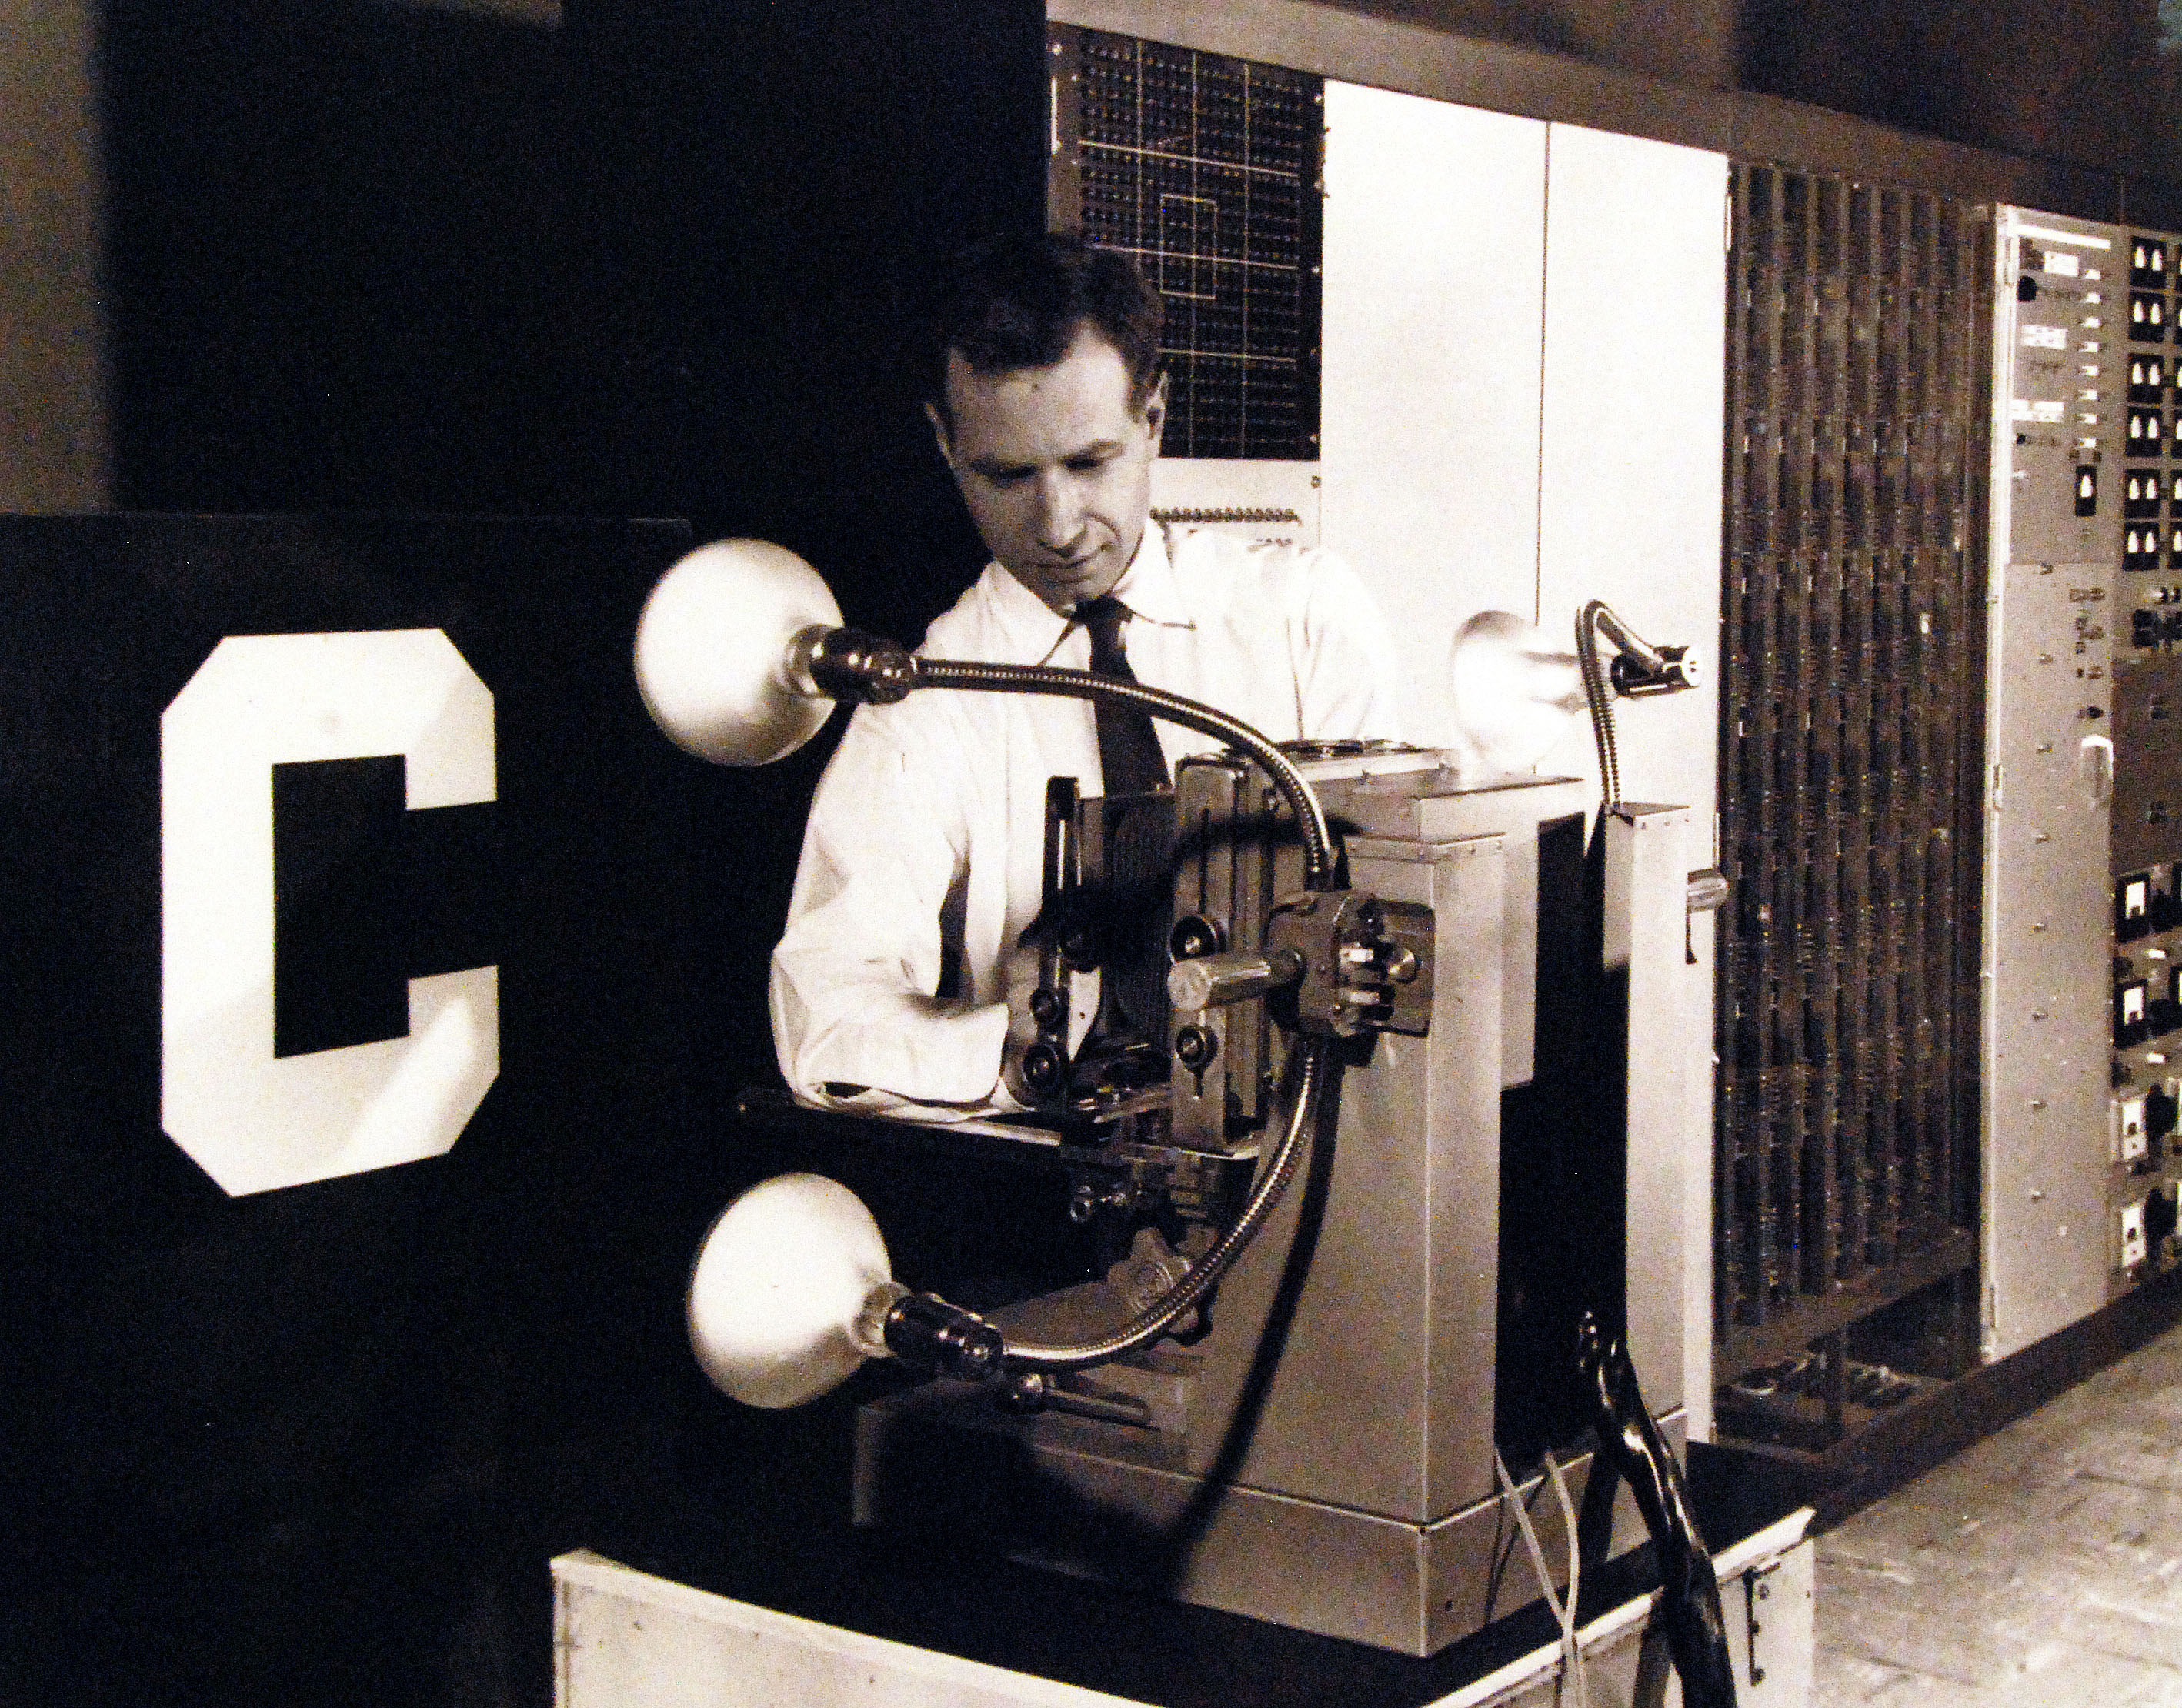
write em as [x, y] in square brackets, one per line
[855, 1022]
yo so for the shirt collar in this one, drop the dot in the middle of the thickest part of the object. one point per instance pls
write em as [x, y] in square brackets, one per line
[1021, 611]
[1148, 587]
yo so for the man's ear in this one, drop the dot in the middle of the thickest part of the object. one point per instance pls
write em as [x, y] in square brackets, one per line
[1156, 411]
[939, 433]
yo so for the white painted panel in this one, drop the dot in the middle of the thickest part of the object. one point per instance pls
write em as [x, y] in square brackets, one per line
[623, 1639]
[1435, 237]
[1630, 458]
[1630, 513]
[2048, 992]
[2050, 1230]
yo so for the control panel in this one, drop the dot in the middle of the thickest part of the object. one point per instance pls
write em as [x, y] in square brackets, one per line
[2084, 919]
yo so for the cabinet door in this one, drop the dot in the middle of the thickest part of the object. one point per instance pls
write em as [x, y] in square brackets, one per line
[1628, 463]
[1435, 246]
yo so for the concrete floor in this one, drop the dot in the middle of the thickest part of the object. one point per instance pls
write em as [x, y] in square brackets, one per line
[2041, 1567]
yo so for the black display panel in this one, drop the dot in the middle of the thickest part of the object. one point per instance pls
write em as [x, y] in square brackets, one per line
[288, 1417]
[1206, 169]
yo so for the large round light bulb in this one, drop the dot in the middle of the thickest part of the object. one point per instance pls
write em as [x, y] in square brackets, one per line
[714, 652]
[1514, 692]
[781, 1294]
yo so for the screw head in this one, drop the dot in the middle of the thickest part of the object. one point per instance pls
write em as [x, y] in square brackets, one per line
[1042, 1069]
[1192, 937]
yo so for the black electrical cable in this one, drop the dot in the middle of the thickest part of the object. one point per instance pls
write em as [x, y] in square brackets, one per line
[1631, 1444]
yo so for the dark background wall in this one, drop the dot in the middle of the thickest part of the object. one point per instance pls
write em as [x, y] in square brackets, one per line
[661, 259]
[317, 1445]
[337, 264]
[2087, 83]
[1686, 41]
[666, 260]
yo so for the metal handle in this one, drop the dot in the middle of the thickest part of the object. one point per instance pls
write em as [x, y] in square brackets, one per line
[1212, 981]
[2095, 761]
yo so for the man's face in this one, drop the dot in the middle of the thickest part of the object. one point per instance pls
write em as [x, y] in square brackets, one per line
[1054, 466]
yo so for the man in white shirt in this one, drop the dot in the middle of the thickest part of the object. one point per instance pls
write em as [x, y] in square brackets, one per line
[1047, 407]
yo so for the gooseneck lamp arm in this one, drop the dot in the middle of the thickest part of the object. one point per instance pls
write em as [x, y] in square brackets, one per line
[1154, 1320]
[738, 648]
[846, 664]
[1636, 668]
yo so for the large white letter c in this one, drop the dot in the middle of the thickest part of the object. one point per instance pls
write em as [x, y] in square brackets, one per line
[251, 1120]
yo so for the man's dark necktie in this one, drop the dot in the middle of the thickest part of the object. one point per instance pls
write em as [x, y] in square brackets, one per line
[1129, 756]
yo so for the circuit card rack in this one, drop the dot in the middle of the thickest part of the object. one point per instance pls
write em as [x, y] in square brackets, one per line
[1852, 658]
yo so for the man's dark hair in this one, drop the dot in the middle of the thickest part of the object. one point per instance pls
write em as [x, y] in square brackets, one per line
[1019, 301]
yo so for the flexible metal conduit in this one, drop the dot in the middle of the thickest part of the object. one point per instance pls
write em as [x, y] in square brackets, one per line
[1319, 872]
[1153, 1322]
[1079, 685]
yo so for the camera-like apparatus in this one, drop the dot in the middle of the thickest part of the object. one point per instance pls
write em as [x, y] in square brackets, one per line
[1381, 1111]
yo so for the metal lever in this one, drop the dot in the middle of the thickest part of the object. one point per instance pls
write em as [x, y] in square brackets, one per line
[1213, 981]
[1709, 889]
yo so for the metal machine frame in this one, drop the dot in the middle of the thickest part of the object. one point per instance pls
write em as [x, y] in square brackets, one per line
[1321, 1453]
